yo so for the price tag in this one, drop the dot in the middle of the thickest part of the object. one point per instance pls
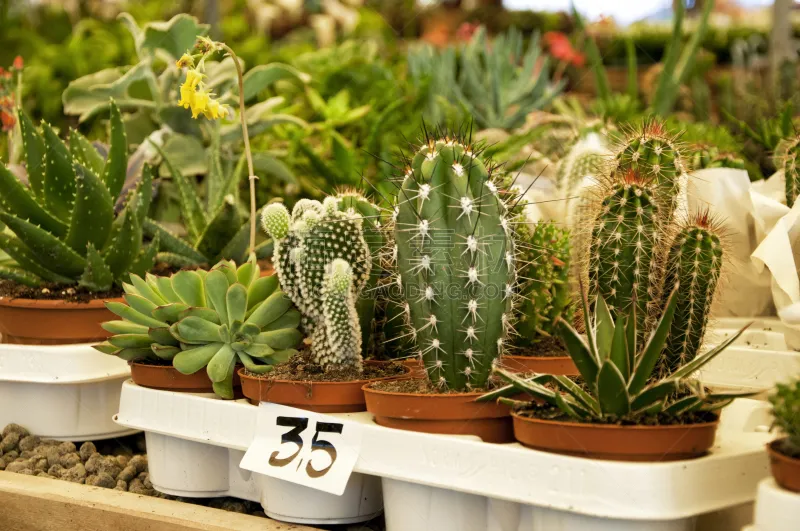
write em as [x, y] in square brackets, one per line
[303, 447]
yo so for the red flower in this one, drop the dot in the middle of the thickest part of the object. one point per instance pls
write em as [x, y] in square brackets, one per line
[8, 120]
[466, 31]
[562, 49]
[18, 63]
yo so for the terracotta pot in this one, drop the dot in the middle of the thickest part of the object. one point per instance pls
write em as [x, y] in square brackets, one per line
[416, 367]
[168, 378]
[453, 414]
[785, 469]
[617, 443]
[558, 365]
[321, 397]
[53, 322]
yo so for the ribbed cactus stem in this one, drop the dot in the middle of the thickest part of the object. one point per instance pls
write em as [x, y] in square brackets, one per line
[788, 159]
[587, 158]
[625, 237]
[694, 264]
[455, 262]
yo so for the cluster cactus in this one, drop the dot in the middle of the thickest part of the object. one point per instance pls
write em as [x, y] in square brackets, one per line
[786, 411]
[64, 225]
[198, 319]
[786, 159]
[544, 291]
[455, 261]
[619, 373]
[312, 246]
[703, 156]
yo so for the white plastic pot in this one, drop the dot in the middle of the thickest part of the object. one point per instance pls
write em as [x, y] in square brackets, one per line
[777, 509]
[195, 443]
[66, 392]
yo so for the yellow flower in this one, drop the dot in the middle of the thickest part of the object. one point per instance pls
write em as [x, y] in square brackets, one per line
[193, 78]
[200, 102]
[189, 88]
[215, 110]
[185, 60]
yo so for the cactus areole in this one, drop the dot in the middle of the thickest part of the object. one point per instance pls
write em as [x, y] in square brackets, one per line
[455, 262]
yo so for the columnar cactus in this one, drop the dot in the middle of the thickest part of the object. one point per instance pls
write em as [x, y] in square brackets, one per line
[544, 258]
[704, 156]
[587, 158]
[627, 232]
[455, 262]
[694, 264]
[787, 158]
[307, 243]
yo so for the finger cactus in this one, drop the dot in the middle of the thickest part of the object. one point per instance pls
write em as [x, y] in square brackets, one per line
[694, 263]
[787, 159]
[455, 262]
[307, 243]
[704, 156]
[211, 320]
[64, 226]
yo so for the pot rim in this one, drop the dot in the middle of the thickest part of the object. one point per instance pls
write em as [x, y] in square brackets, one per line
[592, 425]
[56, 304]
[368, 389]
[774, 452]
[517, 356]
[363, 382]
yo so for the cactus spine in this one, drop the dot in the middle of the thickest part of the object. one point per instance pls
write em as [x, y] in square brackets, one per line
[786, 158]
[694, 263]
[455, 262]
[307, 243]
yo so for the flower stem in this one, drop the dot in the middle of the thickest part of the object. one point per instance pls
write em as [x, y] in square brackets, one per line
[247, 151]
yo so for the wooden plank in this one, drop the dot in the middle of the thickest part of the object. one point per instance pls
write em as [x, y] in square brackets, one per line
[29, 503]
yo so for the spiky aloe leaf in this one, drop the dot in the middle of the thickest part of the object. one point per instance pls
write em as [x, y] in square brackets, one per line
[85, 153]
[146, 259]
[123, 247]
[33, 144]
[28, 261]
[116, 165]
[236, 248]
[16, 200]
[59, 176]
[648, 359]
[19, 276]
[45, 247]
[93, 212]
[97, 275]
[612, 392]
[173, 245]
[222, 228]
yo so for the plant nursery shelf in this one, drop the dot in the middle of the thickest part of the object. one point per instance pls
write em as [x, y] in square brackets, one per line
[39, 504]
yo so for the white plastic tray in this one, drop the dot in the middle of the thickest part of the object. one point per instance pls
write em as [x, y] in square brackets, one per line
[443, 483]
[67, 392]
[777, 509]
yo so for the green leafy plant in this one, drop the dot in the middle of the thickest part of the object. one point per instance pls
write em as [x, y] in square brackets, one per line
[64, 225]
[618, 372]
[706, 156]
[211, 320]
[786, 410]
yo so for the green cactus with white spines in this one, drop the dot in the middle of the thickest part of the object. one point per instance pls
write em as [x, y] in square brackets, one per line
[64, 225]
[455, 262]
[787, 158]
[544, 258]
[625, 242]
[694, 263]
[588, 157]
[212, 320]
[307, 242]
[705, 156]
[651, 151]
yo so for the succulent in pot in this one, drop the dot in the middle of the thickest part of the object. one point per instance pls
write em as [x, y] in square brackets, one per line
[619, 409]
[454, 260]
[198, 320]
[784, 453]
[64, 231]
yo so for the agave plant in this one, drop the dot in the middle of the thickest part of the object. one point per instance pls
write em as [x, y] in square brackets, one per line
[618, 374]
[65, 229]
[213, 319]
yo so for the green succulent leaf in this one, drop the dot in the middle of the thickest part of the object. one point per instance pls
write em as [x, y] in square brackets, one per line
[172, 244]
[129, 314]
[28, 261]
[274, 307]
[222, 228]
[123, 247]
[130, 341]
[247, 273]
[612, 392]
[684, 405]
[290, 319]
[260, 289]
[96, 276]
[216, 288]
[188, 285]
[123, 327]
[134, 354]
[162, 285]
[657, 392]
[141, 287]
[619, 348]
[173, 37]
[20, 276]
[59, 176]
[697, 363]
[579, 352]
[221, 365]
[116, 166]
[162, 336]
[85, 153]
[45, 247]
[582, 397]
[170, 313]
[192, 360]
[106, 347]
[203, 313]
[16, 200]
[605, 329]
[571, 408]
[33, 143]
[93, 212]
[280, 339]
[165, 352]
[652, 350]
[236, 303]
[252, 366]
[196, 330]
[140, 304]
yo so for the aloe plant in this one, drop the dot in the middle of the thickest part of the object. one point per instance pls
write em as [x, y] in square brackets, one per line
[211, 320]
[618, 373]
[64, 225]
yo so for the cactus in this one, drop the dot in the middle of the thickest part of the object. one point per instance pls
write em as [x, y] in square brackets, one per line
[307, 243]
[543, 258]
[455, 262]
[64, 224]
[654, 154]
[626, 236]
[786, 159]
[198, 319]
[588, 157]
[786, 410]
[694, 263]
[704, 156]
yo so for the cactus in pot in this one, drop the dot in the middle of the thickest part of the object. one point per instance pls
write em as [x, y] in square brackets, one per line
[786, 159]
[455, 262]
[64, 225]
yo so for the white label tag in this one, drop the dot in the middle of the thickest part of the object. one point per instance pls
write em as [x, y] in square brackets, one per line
[303, 447]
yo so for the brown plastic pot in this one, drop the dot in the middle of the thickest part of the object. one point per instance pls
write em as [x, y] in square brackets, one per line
[617, 443]
[321, 397]
[168, 378]
[452, 414]
[53, 322]
[557, 365]
[785, 469]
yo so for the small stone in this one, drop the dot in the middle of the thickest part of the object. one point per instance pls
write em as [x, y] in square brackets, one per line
[141, 444]
[67, 447]
[40, 465]
[76, 474]
[139, 462]
[122, 460]
[137, 487]
[146, 481]
[10, 442]
[28, 442]
[109, 466]
[70, 460]
[93, 462]
[127, 474]
[86, 451]
[43, 474]
[56, 470]
[26, 472]
[9, 457]
[27, 454]
[101, 480]
[15, 428]
[52, 455]
[19, 466]
[230, 505]
[121, 485]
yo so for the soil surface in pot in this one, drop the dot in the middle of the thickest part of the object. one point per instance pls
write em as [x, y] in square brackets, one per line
[423, 386]
[549, 347]
[549, 412]
[301, 368]
[11, 290]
